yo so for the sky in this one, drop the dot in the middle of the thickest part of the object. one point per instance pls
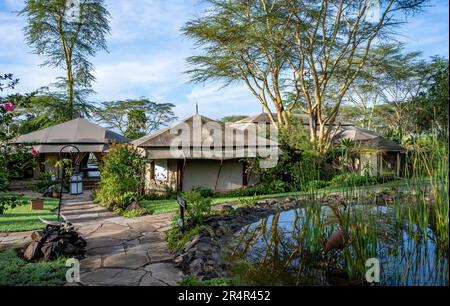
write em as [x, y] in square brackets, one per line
[147, 54]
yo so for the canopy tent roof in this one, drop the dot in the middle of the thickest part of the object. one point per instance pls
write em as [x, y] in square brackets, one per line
[87, 136]
[265, 118]
[200, 134]
[367, 139]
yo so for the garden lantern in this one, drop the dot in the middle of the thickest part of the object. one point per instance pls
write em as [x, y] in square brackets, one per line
[76, 184]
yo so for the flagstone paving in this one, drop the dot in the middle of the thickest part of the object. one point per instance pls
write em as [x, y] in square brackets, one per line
[122, 251]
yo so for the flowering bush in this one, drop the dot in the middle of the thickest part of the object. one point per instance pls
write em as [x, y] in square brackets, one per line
[13, 160]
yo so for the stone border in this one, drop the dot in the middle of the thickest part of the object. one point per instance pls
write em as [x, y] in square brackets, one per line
[201, 257]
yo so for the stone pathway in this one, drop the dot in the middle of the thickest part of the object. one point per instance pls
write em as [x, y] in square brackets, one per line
[122, 251]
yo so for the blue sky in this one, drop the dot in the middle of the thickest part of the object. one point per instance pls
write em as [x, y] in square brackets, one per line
[147, 55]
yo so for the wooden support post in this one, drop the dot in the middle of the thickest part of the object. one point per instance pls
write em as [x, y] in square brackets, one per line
[218, 175]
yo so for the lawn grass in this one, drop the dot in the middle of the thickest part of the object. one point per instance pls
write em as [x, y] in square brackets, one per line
[22, 218]
[15, 271]
[162, 206]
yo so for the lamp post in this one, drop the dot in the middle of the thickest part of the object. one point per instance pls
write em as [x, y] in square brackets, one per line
[62, 176]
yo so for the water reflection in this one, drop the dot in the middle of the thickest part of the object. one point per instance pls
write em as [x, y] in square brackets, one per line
[288, 248]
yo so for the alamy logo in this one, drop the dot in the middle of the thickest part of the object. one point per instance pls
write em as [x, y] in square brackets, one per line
[219, 141]
[73, 273]
[373, 270]
[73, 11]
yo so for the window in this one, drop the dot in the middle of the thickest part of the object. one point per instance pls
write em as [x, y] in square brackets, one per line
[161, 173]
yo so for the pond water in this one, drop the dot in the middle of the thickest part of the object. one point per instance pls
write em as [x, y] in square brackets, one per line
[288, 248]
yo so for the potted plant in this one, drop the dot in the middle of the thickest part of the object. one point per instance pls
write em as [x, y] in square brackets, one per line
[56, 191]
[37, 204]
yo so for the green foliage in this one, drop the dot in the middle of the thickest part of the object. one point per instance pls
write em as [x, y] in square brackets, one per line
[248, 202]
[10, 201]
[136, 124]
[46, 109]
[122, 177]
[431, 106]
[317, 184]
[135, 213]
[17, 160]
[193, 281]
[135, 117]
[176, 239]
[17, 272]
[204, 192]
[350, 179]
[45, 181]
[299, 163]
[198, 207]
[4, 183]
[233, 118]
[67, 43]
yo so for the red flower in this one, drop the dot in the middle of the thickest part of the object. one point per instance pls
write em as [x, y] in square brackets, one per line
[34, 152]
[9, 106]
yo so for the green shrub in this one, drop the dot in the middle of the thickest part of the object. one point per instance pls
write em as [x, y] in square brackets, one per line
[317, 184]
[176, 239]
[204, 192]
[45, 181]
[198, 207]
[350, 179]
[4, 182]
[135, 213]
[276, 186]
[122, 177]
[10, 201]
[248, 202]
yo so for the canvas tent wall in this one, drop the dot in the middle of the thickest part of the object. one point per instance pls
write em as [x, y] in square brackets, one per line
[201, 152]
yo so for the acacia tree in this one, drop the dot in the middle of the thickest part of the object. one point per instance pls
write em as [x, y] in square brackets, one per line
[135, 118]
[312, 49]
[387, 65]
[67, 41]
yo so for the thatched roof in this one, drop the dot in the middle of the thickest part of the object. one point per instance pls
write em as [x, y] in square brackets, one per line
[87, 136]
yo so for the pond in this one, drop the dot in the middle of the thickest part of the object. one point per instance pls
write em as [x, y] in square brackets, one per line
[288, 248]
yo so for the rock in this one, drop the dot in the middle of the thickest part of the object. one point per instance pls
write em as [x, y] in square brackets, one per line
[132, 261]
[227, 208]
[37, 236]
[148, 280]
[164, 272]
[32, 250]
[133, 206]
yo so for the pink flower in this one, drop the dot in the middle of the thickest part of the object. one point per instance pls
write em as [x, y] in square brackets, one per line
[34, 152]
[9, 106]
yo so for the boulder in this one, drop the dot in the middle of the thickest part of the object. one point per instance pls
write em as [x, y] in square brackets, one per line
[133, 206]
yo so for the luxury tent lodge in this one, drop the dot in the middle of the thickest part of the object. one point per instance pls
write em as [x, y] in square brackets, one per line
[376, 155]
[91, 140]
[202, 152]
